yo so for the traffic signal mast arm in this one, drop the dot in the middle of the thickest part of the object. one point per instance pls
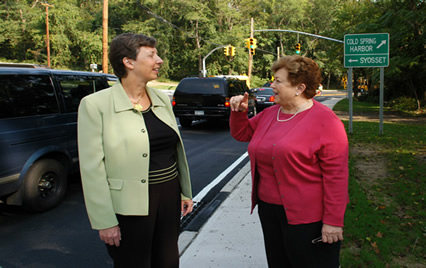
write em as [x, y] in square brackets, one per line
[204, 71]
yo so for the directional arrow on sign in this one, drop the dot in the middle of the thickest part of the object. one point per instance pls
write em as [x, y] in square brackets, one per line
[353, 60]
[382, 43]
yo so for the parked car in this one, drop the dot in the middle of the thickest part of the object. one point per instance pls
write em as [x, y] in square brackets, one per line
[208, 98]
[38, 132]
[264, 98]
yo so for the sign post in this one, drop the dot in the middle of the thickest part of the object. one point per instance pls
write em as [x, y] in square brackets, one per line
[365, 51]
[349, 90]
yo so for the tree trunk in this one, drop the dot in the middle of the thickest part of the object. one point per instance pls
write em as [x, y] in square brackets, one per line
[328, 80]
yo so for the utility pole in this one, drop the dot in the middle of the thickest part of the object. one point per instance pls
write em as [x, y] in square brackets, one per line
[47, 31]
[250, 55]
[105, 37]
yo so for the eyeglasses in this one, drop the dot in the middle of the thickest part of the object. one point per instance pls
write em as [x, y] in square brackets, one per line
[317, 240]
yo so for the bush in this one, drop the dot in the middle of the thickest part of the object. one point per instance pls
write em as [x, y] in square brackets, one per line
[369, 98]
[404, 104]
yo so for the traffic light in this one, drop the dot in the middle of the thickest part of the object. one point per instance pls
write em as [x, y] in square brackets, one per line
[298, 48]
[248, 43]
[253, 46]
[226, 51]
[231, 50]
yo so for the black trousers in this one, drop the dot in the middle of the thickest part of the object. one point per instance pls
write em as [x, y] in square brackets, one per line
[291, 245]
[151, 241]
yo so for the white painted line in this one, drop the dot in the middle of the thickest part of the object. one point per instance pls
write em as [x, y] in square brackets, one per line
[218, 179]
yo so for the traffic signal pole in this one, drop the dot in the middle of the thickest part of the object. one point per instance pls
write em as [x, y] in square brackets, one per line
[250, 61]
[204, 71]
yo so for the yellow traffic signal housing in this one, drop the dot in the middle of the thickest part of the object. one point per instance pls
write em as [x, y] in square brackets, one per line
[298, 48]
[248, 42]
[231, 51]
[253, 45]
[253, 42]
[226, 51]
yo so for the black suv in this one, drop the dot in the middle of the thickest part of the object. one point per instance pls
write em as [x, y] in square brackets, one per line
[38, 132]
[208, 98]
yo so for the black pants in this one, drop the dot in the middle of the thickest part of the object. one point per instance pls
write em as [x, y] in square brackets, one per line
[151, 241]
[291, 245]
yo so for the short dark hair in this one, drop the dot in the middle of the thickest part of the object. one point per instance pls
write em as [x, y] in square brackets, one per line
[127, 45]
[300, 70]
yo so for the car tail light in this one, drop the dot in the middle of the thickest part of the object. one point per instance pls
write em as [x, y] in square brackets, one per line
[271, 99]
[173, 102]
[227, 104]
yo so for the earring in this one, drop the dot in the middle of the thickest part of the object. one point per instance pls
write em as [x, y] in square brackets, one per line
[297, 94]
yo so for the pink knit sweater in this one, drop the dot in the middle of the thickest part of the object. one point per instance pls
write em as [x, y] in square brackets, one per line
[301, 163]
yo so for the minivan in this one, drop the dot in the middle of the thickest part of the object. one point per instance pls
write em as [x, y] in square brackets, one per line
[38, 132]
[208, 98]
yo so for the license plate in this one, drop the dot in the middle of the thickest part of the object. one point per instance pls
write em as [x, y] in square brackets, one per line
[199, 112]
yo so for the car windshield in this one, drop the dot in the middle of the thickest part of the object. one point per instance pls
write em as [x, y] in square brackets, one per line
[201, 86]
[264, 91]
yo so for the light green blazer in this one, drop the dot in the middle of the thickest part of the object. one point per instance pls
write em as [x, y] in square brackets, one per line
[113, 147]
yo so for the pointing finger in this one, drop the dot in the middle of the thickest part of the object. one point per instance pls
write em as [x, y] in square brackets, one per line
[245, 98]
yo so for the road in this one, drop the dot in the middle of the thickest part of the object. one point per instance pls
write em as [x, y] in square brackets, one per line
[62, 237]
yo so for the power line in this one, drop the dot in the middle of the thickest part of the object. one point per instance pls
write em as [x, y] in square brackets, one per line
[164, 20]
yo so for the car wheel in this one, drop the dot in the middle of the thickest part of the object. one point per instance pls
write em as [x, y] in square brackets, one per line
[185, 122]
[252, 112]
[44, 185]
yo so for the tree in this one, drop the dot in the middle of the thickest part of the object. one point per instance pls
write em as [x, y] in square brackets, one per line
[187, 30]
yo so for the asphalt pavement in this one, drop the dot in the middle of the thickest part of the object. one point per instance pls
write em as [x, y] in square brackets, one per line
[232, 237]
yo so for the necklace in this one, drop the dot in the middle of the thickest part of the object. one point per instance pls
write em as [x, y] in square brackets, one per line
[135, 101]
[136, 104]
[288, 119]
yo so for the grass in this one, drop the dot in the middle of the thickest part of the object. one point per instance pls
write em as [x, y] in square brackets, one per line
[385, 219]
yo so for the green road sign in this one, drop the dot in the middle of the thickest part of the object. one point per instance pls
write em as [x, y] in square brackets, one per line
[366, 50]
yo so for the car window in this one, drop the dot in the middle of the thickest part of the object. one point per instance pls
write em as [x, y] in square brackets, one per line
[201, 86]
[236, 87]
[75, 87]
[25, 95]
[264, 91]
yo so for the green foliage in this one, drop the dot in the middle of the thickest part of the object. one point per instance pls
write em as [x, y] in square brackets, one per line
[404, 104]
[385, 219]
[187, 30]
[258, 81]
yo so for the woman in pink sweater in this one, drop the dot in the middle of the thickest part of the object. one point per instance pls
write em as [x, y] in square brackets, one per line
[299, 163]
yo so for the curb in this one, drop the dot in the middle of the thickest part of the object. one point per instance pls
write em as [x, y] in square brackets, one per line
[187, 237]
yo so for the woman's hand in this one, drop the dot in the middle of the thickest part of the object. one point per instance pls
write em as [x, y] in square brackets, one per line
[186, 207]
[111, 236]
[331, 234]
[239, 103]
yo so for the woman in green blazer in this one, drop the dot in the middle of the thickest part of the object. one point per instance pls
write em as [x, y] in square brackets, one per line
[133, 166]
